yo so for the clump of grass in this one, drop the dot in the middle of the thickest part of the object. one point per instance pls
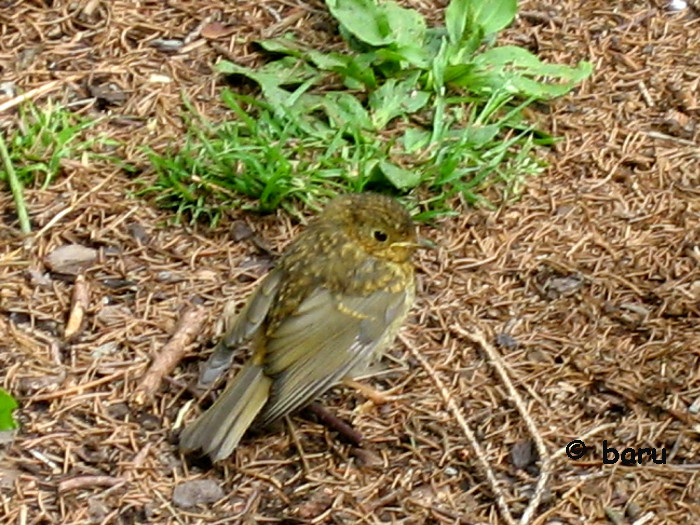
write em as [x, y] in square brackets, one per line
[44, 138]
[441, 108]
[33, 153]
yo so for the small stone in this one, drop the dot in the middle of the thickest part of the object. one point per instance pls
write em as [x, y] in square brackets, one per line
[28, 385]
[196, 492]
[367, 458]
[168, 277]
[241, 231]
[450, 471]
[167, 44]
[695, 407]
[563, 286]
[523, 454]
[70, 258]
[108, 348]
[506, 341]
[216, 30]
[138, 232]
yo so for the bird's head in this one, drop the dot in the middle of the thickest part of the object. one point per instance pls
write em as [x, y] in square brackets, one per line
[380, 225]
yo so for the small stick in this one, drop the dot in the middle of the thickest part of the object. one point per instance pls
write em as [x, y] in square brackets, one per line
[377, 397]
[545, 459]
[645, 94]
[336, 424]
[297, 444]
[187, 327]
[80, 301]
[32, 93]
[453, 407]
[82, 482]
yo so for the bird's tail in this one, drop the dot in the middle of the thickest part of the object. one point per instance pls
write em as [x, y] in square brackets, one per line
[218, 431]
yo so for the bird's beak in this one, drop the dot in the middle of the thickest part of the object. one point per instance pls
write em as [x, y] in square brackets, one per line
[420, 244]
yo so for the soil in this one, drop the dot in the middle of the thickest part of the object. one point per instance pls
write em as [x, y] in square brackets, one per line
[586, 290]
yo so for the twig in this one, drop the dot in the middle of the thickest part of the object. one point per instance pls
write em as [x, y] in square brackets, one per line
[32, 93]
[664, 136]
[468, 432]
[377, 397]
[336, 423]
[78, 389]
[170, 355]
[80, 301]
[297, 444]
[545, 467]
[16, 189]
[82, 482]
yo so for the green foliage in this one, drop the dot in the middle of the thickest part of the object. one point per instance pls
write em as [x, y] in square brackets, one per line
[438, 107]
[45, 138]
[7, 406]
[35, 151]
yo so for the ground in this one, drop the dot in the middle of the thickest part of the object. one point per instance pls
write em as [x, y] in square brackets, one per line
[588, 288]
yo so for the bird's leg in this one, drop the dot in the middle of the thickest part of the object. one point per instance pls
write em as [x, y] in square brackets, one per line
[377, 397]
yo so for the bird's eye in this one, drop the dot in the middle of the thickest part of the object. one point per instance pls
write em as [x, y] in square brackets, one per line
[379, 235]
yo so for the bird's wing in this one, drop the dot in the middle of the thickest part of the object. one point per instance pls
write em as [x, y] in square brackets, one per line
[328, 336]
[247, 322]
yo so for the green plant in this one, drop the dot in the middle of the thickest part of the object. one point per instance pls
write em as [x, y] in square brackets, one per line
[34, 152]
[440, 108]
[45, 138]
[7, 406]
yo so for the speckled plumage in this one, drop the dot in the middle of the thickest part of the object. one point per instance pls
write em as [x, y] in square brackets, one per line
[335, 299]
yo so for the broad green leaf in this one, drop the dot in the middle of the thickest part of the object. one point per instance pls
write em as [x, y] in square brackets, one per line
[456, 15]
[396, 98]
[270, 76]
[287, 71]
[385, 24]
[285, 45]
[345, 110]
[415, 139]
[329, 61]
[542, 90]
[453, 73]
[492, 15]
[416, 55]
[401, 178]
[517, 71]
[363, 19]
[353, 69]
[7, 406]
[521, 60]
[407, 26]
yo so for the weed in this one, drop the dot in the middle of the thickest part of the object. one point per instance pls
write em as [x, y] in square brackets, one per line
[33, 153]
[440, 108]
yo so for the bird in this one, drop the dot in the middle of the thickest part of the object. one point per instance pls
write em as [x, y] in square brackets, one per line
[333, 302]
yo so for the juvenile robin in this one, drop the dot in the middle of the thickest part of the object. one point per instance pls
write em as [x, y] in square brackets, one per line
[334, 301]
